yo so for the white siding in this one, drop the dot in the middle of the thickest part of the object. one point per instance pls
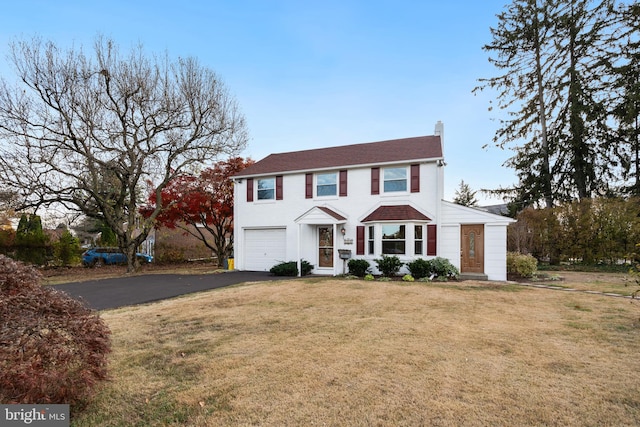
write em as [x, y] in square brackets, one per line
[449, 244]
[495, 259]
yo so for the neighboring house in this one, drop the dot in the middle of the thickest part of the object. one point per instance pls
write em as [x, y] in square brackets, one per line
[367, 199]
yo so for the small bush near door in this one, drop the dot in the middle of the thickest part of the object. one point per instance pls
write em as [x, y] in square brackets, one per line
[437, 267]
[290, 268]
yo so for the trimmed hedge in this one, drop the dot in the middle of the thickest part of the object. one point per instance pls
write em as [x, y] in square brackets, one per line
[290, 268]
[359, 267]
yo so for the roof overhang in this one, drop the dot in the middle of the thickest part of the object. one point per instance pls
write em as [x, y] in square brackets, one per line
[396, 213]
[321, 215]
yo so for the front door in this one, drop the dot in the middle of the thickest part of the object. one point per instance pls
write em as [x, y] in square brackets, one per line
[325, 246]
[472, 248]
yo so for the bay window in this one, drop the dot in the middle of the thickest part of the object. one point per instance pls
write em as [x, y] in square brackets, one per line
[393, 239]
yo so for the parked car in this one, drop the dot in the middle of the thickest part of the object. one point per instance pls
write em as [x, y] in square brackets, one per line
[106, 256]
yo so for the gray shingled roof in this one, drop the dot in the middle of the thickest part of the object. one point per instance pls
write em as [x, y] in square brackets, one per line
[396, 150]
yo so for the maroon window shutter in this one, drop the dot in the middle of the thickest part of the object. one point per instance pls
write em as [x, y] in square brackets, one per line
[360, 240]
[432, 239]
[375, 180]
[308, 186]
[249, 189]
[343, 183]
[279, 187]
[415, 178]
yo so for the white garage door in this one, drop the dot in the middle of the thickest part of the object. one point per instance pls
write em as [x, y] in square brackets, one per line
[264, 248]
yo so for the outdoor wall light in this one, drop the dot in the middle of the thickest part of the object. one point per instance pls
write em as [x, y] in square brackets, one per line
[343, 231]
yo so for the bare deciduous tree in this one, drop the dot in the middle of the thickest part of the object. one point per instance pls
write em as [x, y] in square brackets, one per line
[87, 131]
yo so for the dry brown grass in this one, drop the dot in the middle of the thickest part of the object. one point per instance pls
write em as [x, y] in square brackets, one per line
[356, 353]
[617, 283]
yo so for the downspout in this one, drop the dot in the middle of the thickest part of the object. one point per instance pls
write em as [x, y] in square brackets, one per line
[298, 261]
[337, 260]
[440, 164]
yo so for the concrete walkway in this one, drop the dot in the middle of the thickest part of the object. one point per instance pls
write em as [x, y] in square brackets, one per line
[132, 290]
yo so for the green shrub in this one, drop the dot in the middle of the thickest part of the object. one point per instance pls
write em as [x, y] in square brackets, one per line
[442, 268]
[290, 268]
[521, 265]
[369, 277]
[67, 249]
[408, 278]
[359, 267]
[389, 265]
[384, 279]
[53, 347]
[420, 268]
[32, 245]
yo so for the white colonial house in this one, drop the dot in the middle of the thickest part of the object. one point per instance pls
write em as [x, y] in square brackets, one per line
[361, 201]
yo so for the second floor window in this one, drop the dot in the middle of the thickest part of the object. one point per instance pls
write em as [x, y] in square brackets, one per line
[395, 179]
[267, 189]
[327, 184]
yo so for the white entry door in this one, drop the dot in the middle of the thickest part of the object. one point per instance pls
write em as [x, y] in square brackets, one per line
[325, 246]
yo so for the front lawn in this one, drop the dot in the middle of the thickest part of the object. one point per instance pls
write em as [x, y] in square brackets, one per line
[350, 352]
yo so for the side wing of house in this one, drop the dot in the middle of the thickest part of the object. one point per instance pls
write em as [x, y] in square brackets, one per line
[475, 241]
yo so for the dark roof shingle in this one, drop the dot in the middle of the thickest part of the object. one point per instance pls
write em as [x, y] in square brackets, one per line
[396, 150]
[396, 213]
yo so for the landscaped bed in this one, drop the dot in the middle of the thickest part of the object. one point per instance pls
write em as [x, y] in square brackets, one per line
[350, 352]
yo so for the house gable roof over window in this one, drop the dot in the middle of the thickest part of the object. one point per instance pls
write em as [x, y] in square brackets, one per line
[396, 213]
[396, 150]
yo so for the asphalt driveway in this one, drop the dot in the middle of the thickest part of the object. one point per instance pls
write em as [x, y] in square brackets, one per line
[124, 291]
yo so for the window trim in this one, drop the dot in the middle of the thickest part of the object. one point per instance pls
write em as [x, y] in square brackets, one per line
[371, 240]
[402, 227]
[427, 240]
[272, 189]
[384, 180]
[418, 239]
[335, 184]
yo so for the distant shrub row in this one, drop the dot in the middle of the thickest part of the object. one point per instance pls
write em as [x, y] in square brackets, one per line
[420, 268]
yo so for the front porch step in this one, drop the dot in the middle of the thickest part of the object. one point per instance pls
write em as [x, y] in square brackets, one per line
[473, 276]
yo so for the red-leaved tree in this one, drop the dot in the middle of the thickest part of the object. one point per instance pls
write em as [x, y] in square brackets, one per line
[202, 206]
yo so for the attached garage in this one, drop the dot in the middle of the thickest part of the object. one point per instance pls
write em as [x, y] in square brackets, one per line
[264, 248]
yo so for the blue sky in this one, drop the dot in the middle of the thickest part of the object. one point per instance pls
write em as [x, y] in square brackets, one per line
[310, 74]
